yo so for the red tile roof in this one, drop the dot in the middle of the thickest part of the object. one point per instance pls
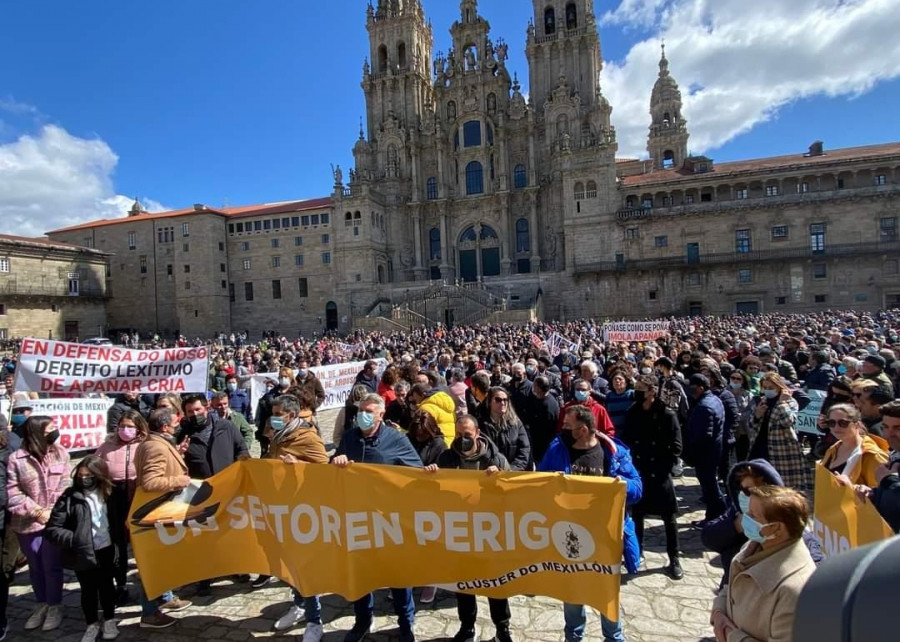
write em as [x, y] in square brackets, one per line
[791, 161]
[228, 212]
[43, 241]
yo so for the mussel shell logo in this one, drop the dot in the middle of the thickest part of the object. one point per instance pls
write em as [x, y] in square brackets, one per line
[573, 541]
[172, 508]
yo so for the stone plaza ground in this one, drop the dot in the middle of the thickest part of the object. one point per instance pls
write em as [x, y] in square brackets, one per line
[656, 608]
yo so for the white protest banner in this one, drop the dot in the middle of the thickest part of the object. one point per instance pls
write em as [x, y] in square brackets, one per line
[81, 422]
[807, 418]
[74, 368]
[635, 330]
[556, 343]
[337, 380]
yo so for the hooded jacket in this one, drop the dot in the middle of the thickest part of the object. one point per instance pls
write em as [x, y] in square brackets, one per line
[618, 464]
[70, 529]
[720, 535]
[441, 406]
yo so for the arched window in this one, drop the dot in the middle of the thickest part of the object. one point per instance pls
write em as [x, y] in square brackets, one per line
[472, 134]
[468, 235]
[434, 244]
[381, 274]
[666, 119]
[432, 189]
[668, 159]
[520, 177]
[523, 242]
[487, 233]
[348, 219]
[382, 59]
[401, 55]
[579, 191]
[549, 21]
[591, 189]
[357, 216]
[474, 178]
[571, 16]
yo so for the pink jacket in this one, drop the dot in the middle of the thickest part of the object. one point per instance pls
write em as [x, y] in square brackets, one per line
[119, 456]
[33, 484]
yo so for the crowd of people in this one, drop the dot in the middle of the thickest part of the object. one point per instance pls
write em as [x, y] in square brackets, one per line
[720, 395]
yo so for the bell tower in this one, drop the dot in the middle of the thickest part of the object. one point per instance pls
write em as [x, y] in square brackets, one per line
[562, 40]
[397, 74]
[668, 139]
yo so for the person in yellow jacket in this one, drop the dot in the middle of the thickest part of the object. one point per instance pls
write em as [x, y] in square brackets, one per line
[439, 405]
[856, 455]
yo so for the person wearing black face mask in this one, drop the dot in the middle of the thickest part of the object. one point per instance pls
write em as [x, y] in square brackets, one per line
[80, 526]
[213, 444]
[472, 450]
[652, 432]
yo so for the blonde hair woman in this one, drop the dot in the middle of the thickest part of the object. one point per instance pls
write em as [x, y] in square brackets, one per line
[776, 440]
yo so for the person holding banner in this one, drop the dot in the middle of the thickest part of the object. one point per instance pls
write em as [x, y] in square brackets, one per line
[769, 572]
[370, 441]
[36, 476]
[471, 450]
[581, 449]
[294, 438]
[855, 457]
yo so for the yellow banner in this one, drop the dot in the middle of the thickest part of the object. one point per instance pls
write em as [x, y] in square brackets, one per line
[349, 531]
[842, 521]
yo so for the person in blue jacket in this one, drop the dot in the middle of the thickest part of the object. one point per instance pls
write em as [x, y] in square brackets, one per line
[373, 441]
[580, 449]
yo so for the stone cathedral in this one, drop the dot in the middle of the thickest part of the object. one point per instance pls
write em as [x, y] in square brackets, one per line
[470, 202]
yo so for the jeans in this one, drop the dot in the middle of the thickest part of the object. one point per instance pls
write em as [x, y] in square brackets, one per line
[148, 606]
[709, 484]
[44, 567]
[311, 606]
[99, 582]
[404, 607]
[671, 525]
[467, 609]
[576, 620]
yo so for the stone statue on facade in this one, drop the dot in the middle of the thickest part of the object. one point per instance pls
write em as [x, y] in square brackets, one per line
[338, 175]
[470, 59]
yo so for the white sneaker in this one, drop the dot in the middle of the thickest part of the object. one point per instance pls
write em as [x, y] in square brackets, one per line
[90, 635]
[110, 630]
[289, 620]
[314, 632]
[36, 619]
[54, 617]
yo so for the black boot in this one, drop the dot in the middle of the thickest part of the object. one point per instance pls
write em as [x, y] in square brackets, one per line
[674, 568]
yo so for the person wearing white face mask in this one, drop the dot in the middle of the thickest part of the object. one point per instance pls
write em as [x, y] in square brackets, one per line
[372, 441]
[769, 572]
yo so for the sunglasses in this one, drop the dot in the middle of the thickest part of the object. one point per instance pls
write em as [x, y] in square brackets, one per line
[501, 400]
[843, 423]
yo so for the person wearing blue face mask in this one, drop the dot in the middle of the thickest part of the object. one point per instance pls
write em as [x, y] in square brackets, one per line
[20, 412]
[373, 441]
[238, 400]
[769, 572]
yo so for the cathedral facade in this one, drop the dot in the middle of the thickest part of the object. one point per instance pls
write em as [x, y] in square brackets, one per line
[469, 203]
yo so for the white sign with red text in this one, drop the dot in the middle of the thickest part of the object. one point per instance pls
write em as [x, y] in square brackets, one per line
[59, 367]
[81, 422]
[629, 331]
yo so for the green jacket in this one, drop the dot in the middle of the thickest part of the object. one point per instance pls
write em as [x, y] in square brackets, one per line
[240, 422]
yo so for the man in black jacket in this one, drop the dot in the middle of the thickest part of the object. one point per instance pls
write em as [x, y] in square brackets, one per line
[472, 450]
[213, 444]
[125, 401]
[653, 434]
[540, 417]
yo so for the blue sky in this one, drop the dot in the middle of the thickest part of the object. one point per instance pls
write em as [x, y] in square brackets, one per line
[226, 101]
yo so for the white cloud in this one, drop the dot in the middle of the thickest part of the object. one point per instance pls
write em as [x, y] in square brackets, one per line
[53, 179]
[739, 62]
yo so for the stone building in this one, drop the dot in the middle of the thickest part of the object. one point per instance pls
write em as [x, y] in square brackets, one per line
[469, 202]
[51, 290]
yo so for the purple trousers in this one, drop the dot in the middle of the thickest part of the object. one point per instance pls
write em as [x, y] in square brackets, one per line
[44, 567]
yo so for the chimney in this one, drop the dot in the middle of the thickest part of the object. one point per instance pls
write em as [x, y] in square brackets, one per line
[816, 149]
[199, 207]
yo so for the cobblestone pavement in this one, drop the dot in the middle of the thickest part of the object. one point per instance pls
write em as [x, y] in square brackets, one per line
[656, 608]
